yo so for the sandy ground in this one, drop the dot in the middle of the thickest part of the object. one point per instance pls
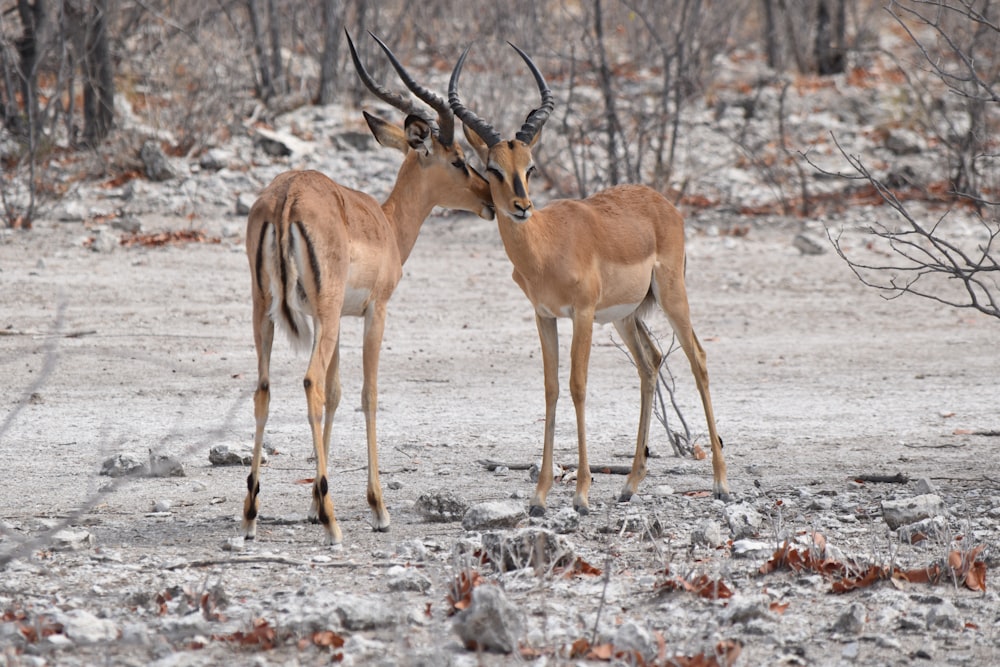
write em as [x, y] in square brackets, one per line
[815, 380]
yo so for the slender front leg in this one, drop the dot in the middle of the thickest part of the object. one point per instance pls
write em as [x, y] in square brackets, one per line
[374, 328]
[647, 361]
[548, 333]
[583, 332]
[263, 338]
[324, 348]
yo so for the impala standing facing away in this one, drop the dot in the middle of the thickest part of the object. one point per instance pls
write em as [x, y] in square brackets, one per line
[320, 251]
[607, 258]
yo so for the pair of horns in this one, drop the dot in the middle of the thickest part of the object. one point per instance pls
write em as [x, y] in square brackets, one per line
[532, 124]
[447, 111]
[445, 119]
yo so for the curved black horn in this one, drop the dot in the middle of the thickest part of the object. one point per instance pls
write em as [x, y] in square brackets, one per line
[446, 119]
[404, 104]
[536, 119]
[471, 120]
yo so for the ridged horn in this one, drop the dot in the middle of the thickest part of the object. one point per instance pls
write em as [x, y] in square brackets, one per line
[536, 119]
[446, 119]
[404, 104]
[471, 120]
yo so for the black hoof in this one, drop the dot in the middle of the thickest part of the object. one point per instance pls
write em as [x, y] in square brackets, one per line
[625, 497]
[314, 519]
[582, 510]
[250, 538]
[380, 529]
[724, 496]
[536, 510]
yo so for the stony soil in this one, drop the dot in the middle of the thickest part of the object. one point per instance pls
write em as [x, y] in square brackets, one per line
[112, 350]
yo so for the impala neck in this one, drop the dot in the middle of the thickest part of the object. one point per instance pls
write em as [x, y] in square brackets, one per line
[523, 241]
[407, 206]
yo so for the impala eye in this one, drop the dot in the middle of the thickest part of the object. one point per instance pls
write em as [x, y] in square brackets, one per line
[458, 164]
[495, 171]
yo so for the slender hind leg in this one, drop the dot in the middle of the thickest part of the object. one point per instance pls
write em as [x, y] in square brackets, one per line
[672, 298]
[333, 395]
[324, 349]
[647, 361]
[263, 333]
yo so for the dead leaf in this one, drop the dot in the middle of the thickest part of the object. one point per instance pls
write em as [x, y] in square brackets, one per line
[327, 638]
[779, 608]
[698, 453]
[460, 594]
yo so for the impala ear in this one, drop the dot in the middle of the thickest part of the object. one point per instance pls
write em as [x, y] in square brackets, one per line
[477, 143]
[386, 133]
[418, 134]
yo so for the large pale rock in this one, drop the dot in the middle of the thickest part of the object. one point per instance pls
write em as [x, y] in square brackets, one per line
[491, 622]
[910, 510]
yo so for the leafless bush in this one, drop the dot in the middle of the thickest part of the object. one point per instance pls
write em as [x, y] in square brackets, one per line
[944, 260]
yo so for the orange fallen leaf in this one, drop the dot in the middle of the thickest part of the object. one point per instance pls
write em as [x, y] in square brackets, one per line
[779, 607]
[698, 453]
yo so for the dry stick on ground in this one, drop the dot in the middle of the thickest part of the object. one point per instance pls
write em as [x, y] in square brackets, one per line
[492, 465]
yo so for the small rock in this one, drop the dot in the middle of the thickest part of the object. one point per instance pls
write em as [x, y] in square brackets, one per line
[632, 638]
[161, 465]
[281, 144]
[156, 163]
[944, 615]
[534, 547]
[244, 202]
[924, 486]
[440, 506]
[493, 515]
[743, 609]
[365, 613]
[903, 141]
[851, 621]
[234, 544]
[105, 241]
[490, 623]
[85, 628]
[412, 550]
[162, 505]
[69, 539]
[934, 529]
[910, 510]
[850, 651]
[121, 465]
[662, 491]
[394, 485]
[707, 532]
[407, 579]
[752, 549]
[808, 244]
[744, 521]
[636, 522]
[222, 455]
[215, 159]
[565, 521]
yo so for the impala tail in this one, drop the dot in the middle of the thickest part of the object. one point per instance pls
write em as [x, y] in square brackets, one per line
[281, 257]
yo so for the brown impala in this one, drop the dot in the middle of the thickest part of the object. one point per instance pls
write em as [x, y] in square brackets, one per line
[319, 251]
[607, 258]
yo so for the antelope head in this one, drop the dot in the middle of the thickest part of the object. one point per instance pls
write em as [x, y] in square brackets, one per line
[509, 164]
[429, 143]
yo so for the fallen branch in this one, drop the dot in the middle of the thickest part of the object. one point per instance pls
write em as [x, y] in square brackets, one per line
[492, 465]
[48, 334]
[898, 478]
[281, 560]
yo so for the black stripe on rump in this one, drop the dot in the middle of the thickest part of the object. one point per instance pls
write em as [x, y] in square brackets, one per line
[259, 260]
[286, 310]
[313, 259]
